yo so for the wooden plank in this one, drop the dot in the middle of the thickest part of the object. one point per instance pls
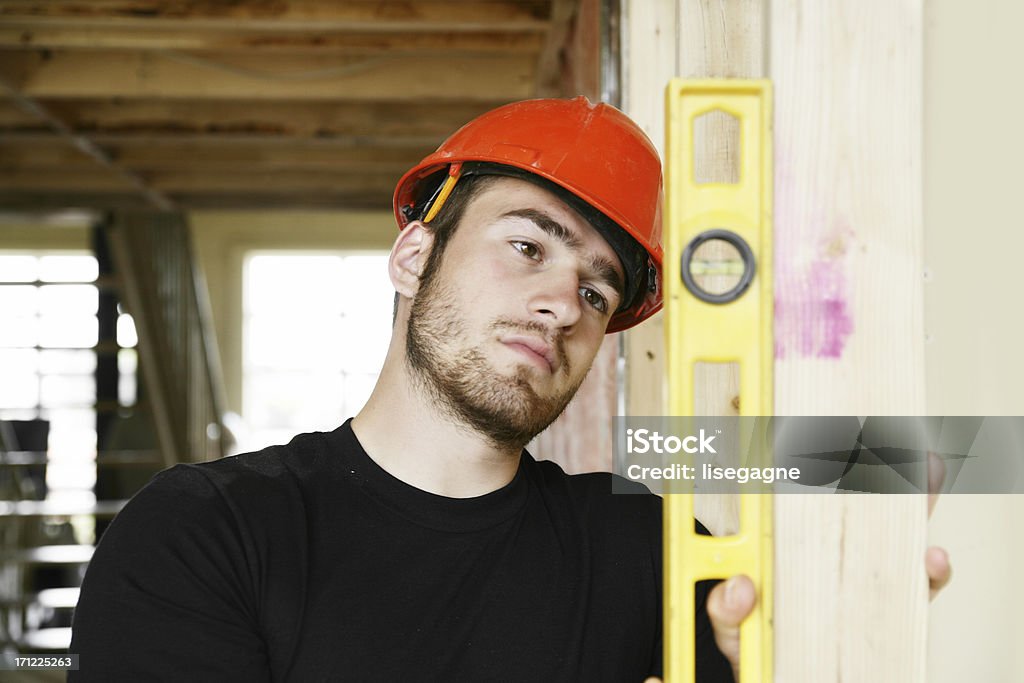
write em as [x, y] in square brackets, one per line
[851, 596]
[371, 122]
[33, 201]
[200, 181]
[42, 152]
[138, 74]
[721, 39]
[583, 59]
[35, 34]
[272, 198]
[13, 117]
[209, 154]
[87, 180]
[552, 55]
[649, 56]
[86, 146]
[711, 46]
[718, 40]
[256, 181]
[297, 15]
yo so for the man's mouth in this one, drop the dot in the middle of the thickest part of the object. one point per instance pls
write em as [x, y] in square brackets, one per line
[540, 352]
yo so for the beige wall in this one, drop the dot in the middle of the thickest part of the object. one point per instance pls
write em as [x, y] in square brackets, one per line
[974, 240]
[26, 232]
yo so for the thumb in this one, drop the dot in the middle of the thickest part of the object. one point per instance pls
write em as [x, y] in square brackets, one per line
[729, 603]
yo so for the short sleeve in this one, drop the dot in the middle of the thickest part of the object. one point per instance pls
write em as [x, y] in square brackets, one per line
[169, 594]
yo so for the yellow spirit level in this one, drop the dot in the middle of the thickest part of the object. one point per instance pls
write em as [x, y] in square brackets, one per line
[733, 325]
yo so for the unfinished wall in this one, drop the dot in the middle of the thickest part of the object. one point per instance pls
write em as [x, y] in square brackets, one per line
[974, 237]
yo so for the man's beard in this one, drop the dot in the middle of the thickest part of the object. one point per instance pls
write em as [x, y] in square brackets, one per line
[504, 409]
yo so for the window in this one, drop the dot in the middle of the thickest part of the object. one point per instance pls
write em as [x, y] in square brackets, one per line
[316, 328]
[48, 335]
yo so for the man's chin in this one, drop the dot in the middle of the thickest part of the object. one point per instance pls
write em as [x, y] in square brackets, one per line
[537, 392]
[519, 408]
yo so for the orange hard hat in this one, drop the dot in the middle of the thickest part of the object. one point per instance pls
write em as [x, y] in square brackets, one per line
[590, 152]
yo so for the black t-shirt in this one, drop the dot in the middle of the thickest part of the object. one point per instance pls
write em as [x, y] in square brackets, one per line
[308, 562]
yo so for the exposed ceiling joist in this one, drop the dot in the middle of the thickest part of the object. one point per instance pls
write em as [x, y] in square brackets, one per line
[109, 168]
[255, 103]
[32, 35]
[374, 123]
[145, 154]
[447, 16]
[166, 74]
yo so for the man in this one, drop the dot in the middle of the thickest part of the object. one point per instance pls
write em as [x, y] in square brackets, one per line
[419, 541]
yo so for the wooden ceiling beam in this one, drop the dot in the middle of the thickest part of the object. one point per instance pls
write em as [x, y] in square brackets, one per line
[250, 103]
[336, 200]
[210, 154]
[225, 140]
[31, 35]
[13, 117]
[107, 167]
[294, 15]
[379, 122]
[51, 180]
[30, 200]
[200, 181]
[137, 74]
[43, 200]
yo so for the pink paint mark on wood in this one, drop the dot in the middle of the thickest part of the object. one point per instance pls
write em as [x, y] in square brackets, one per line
[812, 318]
[812, 314]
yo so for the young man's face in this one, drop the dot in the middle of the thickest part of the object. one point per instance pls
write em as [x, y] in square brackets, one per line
[507, 328]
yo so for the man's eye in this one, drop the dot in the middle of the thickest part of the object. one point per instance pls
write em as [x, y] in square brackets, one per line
[527, 249]
[594, 298]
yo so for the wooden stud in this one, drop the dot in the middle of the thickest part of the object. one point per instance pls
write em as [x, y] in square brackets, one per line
[850, 592]
[550, 60]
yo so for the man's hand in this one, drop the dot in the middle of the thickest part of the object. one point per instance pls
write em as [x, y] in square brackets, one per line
[936, 560]
[730, 602]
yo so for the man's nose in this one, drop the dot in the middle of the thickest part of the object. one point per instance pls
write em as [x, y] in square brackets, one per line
[557, 299]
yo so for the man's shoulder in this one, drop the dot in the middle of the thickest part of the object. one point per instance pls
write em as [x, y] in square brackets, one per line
[240, 484]
[602, 494]
[592, 483]
[303, 456]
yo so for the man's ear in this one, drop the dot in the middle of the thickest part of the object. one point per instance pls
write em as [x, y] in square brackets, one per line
[409, 256]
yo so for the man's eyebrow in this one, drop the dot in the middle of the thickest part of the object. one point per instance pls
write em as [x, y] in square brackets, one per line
[548, 225]
[603, 268]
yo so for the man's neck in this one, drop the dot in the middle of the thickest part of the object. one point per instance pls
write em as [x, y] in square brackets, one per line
[405, 431]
